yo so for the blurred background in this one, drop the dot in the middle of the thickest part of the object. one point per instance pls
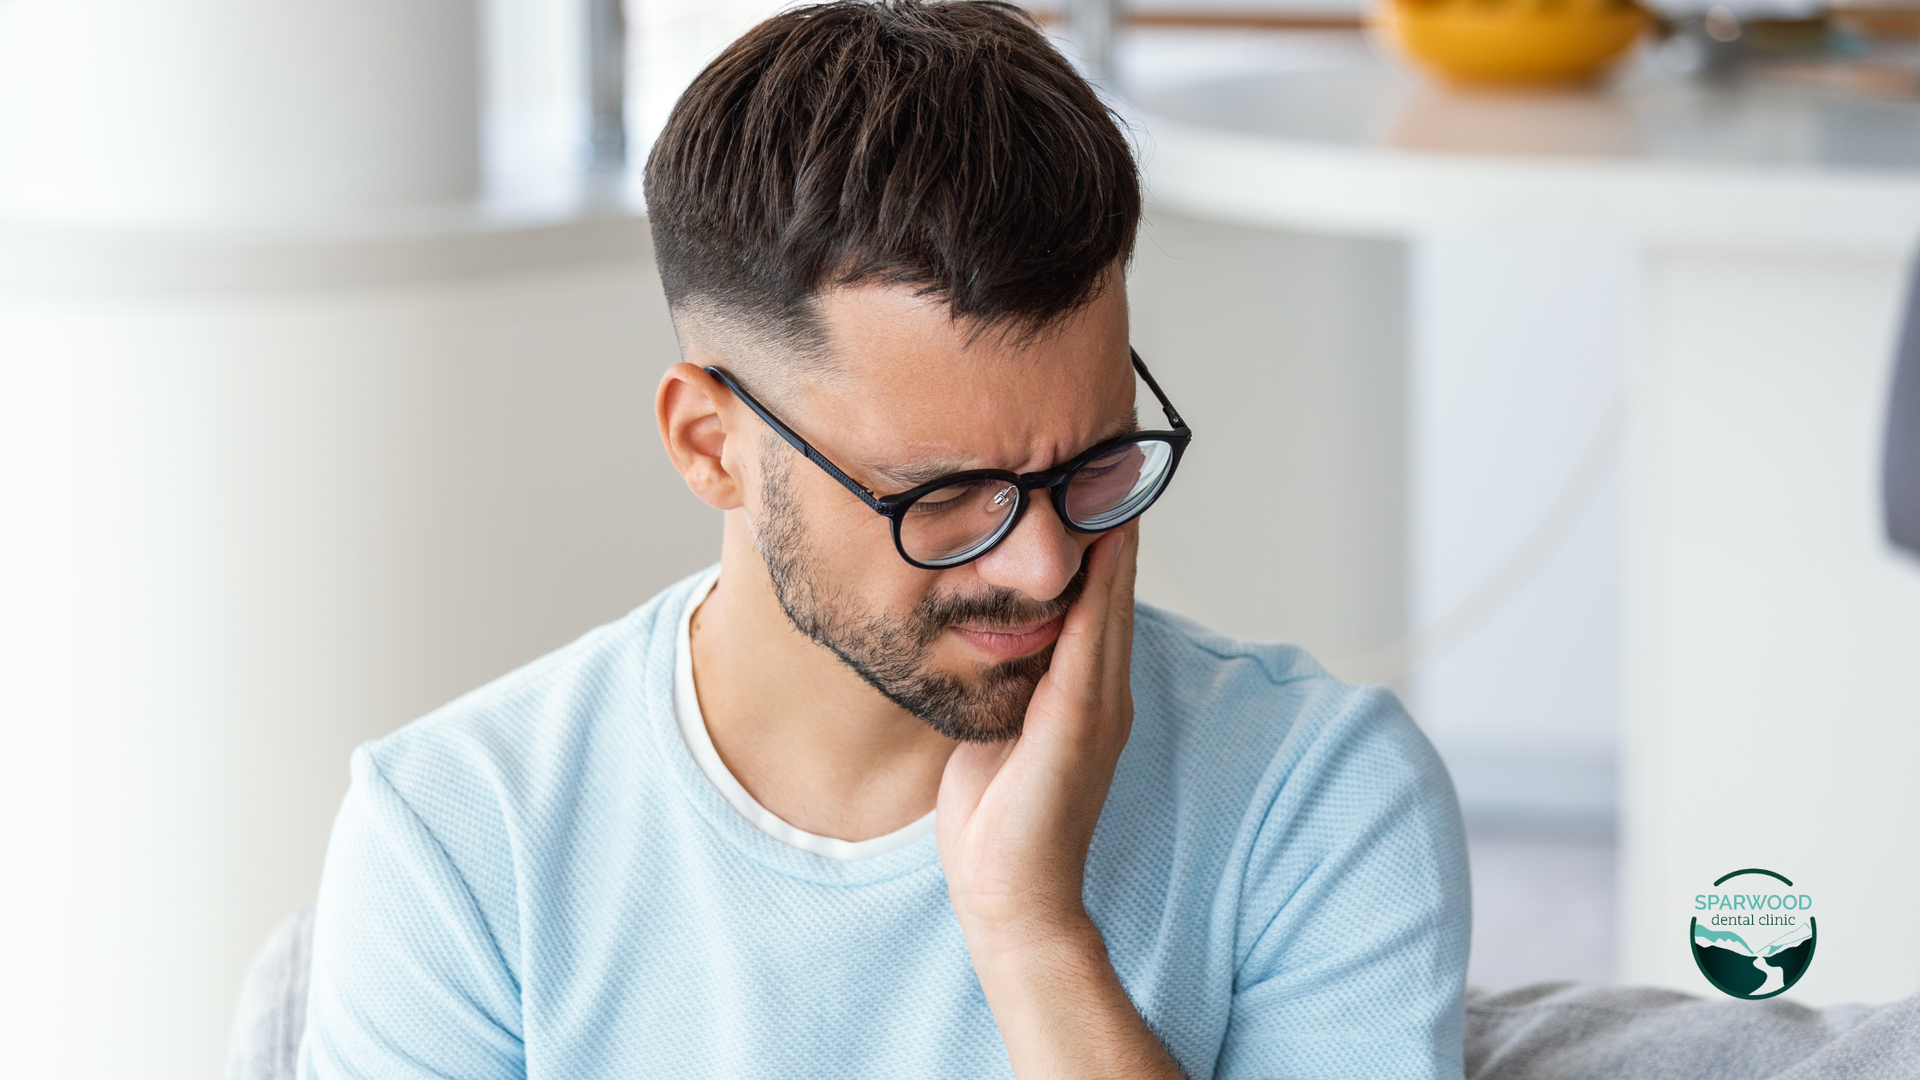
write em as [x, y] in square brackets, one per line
[1539, 357]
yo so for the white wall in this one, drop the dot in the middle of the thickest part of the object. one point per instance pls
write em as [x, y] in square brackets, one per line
[245, 530]
[1773, 634]
[1286, 352]
[1518, 421]
[1406, 459]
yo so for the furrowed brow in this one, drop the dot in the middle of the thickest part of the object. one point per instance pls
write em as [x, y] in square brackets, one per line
[897, 477]
[902, 477]
[1119, 427]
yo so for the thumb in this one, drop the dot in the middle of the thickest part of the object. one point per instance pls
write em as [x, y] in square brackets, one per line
[968, 773]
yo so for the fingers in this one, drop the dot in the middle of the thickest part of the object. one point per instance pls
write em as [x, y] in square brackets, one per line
[1119, 615]
[1112, 577]
[1126, 558]
[1084, 637]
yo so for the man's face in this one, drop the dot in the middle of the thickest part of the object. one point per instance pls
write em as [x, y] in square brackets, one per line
[916, 396]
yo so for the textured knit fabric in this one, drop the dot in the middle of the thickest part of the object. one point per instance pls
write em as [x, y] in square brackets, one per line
[537, 881]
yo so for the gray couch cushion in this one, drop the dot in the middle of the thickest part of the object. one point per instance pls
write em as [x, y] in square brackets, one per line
[1574, 1031]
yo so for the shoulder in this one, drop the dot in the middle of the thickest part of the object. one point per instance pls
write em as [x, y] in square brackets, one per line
[1310, 837]
[1213, 694]
[459, 810]
[539, 727]
[1255, 740]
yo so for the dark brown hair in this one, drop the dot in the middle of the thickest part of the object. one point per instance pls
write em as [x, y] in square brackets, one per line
[941, 145]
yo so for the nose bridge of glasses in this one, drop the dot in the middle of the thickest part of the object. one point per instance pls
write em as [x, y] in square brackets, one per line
[1054, 478]
[1026, 508]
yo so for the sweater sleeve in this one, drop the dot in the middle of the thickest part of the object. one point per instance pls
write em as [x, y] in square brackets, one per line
[408, 981]
[1355, 913]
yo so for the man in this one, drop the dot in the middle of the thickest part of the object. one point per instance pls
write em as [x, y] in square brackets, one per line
[908, 786]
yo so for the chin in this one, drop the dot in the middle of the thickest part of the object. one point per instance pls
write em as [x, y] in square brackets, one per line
[988, 704]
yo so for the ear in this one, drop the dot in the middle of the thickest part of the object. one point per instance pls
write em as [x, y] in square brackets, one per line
[695, 433]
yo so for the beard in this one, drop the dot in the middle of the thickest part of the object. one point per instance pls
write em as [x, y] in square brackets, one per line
[894, 653]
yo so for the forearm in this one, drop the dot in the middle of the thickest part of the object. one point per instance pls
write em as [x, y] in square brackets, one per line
[1061, 1008]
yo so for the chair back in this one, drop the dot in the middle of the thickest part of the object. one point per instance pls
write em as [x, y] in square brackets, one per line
[1900, 475]
[265, 1042]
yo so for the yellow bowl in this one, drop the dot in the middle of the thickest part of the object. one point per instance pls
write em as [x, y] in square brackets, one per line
[1512, 42]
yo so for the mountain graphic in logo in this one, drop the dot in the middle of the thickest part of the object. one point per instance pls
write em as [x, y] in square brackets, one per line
[1750, 971]
[1759, 938]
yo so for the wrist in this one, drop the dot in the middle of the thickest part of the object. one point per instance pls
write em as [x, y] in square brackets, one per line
[1005, 907]
[1032, 940]
[1060, 1005]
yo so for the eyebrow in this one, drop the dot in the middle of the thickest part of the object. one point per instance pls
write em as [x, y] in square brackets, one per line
[909, 476]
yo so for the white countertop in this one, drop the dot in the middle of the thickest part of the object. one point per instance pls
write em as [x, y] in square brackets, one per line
[1364, 147]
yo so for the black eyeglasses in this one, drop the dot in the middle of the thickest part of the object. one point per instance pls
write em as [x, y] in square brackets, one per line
[958, 518]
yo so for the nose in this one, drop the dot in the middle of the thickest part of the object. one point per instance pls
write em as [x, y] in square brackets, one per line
[1039, 556]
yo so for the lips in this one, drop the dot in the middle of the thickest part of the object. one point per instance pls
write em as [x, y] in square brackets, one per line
[1002, 644]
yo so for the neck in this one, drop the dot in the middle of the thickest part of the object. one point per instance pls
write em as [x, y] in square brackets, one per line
[804, 734]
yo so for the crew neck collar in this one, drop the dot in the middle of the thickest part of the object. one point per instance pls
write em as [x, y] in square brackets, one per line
[730, 809]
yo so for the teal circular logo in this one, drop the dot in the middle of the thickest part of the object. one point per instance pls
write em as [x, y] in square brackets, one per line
[1753, 933]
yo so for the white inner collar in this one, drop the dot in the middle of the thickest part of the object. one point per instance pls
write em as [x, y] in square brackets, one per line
[693, 729]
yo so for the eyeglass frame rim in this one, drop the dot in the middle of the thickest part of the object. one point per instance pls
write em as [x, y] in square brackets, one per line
[894, 507]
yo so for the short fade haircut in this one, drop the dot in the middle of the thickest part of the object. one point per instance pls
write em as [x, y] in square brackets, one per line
[944, 146]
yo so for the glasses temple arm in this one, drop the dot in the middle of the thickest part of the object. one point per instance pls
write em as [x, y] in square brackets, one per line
[794, 439]
[1173, 414]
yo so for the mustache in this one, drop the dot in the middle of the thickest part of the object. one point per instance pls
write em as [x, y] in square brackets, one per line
[998, 606]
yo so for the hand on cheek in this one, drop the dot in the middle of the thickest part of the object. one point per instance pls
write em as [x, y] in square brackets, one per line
[1014, 825]
[1016, 818]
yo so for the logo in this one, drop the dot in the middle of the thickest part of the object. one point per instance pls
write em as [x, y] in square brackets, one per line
[1753, 934]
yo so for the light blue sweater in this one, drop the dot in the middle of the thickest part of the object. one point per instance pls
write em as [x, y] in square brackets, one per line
[538, 881]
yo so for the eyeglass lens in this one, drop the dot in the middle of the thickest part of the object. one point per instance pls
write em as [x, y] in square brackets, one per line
[949, 523]
[1112, 488]
[957, 522]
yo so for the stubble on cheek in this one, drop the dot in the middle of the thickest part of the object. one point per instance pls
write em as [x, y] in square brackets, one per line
[895, 654]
